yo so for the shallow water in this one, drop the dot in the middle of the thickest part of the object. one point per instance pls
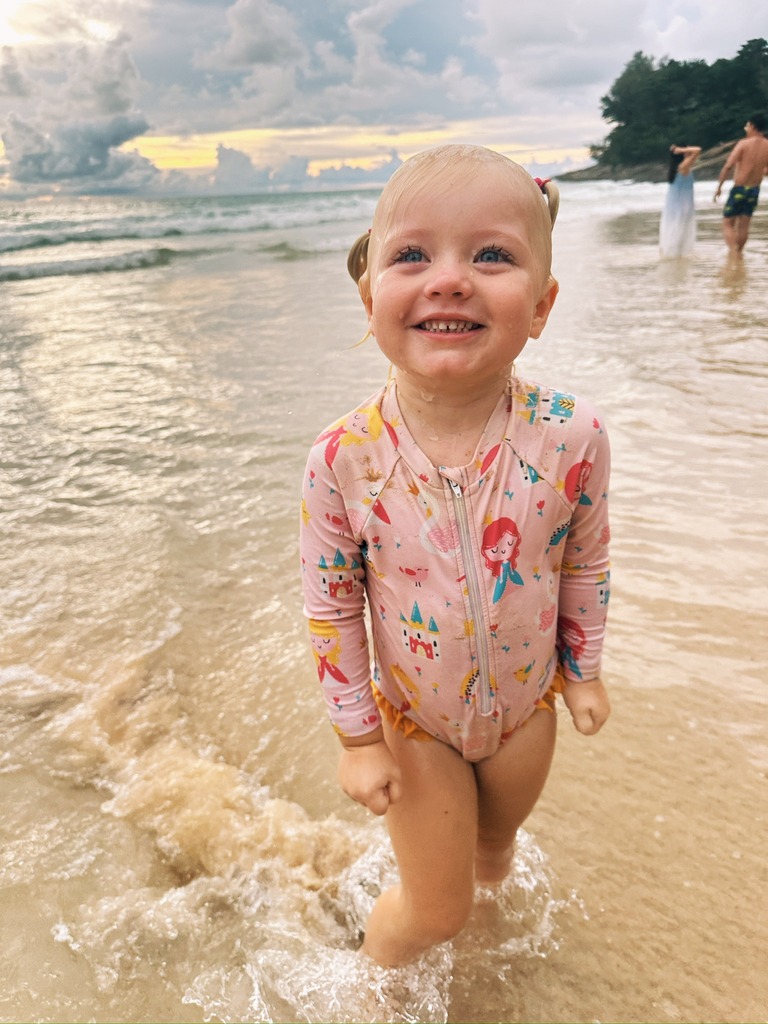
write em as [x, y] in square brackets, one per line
[176, 848]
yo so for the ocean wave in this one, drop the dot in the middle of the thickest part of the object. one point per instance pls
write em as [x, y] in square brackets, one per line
[51, 239]
[99, 265]
[21, 229]
[288, 252]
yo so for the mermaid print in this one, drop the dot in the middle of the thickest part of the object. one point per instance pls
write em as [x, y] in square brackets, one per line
[576, 480]
[500, 548]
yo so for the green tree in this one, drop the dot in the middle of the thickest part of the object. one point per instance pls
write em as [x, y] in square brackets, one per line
[653, 104]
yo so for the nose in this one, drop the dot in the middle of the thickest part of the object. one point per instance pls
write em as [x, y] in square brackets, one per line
[449, 276]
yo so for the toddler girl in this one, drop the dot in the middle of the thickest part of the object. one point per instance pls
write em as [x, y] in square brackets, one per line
[471, 513]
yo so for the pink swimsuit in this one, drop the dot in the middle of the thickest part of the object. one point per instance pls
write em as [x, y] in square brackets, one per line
[480, 580]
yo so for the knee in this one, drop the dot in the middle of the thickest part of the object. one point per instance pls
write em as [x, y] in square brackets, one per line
[443, 921]
[494, 843]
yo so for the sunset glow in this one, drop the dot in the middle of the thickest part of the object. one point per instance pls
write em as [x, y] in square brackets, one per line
[329, 147]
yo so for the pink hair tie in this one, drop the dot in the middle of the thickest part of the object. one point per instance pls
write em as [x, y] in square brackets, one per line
[541, 182]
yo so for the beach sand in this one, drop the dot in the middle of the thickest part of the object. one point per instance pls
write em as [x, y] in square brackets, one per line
[176, 847]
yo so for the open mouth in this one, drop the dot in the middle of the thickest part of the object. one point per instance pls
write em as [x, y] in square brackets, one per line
[448, 326]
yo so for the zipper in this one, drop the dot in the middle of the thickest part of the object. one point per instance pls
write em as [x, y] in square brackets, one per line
[485, 693]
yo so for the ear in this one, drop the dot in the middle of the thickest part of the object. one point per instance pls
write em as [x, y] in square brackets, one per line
[544, 307]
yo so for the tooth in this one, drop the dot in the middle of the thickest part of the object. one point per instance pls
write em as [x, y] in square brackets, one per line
[448, 326]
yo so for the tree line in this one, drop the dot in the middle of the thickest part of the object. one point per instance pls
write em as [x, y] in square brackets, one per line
[653, 104]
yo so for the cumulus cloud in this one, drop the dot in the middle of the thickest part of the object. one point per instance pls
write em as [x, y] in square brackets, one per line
[69, 107]
[260, 32]
[103, 78]
[573, 54]
[345, 175]
[271, 94]
[13, 81]
[235, 173]
[78, 153]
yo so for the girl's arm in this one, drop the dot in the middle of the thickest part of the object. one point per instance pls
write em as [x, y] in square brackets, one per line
[585, 591]
[333, 577]
[333, 570]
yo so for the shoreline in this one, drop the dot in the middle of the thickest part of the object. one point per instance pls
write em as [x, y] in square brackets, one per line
[707, 168]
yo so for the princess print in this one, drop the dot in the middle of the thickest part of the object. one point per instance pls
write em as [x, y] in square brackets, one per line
[365, 425]
[326, 647]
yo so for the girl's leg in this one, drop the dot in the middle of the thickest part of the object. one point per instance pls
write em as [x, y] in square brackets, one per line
[508, 785]
[433, 828]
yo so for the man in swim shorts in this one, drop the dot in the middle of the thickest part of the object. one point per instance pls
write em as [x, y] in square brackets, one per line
[749, 161]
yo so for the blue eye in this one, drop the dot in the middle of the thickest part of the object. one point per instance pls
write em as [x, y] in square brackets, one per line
[409, 255]
[493, 254]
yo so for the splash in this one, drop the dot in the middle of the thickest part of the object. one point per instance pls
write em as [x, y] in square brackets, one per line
[250, 909]
[517, 918]
[269, 944]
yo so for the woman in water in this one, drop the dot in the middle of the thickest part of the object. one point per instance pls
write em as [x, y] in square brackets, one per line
[677, 231]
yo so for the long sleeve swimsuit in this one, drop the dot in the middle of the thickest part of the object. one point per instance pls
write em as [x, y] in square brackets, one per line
[481, 580]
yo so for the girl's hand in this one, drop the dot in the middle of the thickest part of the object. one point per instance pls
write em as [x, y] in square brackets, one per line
[370, 775]
[588, 704]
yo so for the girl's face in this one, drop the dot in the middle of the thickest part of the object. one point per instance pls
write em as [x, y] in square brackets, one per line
[458, 285]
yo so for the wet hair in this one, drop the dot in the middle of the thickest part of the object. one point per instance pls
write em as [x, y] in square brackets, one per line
[758, 121]
[445, 162]
[675, 159]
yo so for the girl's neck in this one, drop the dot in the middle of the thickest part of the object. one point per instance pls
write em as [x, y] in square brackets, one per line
[447, 426]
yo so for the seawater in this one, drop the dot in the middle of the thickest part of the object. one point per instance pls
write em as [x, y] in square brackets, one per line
[175, 845]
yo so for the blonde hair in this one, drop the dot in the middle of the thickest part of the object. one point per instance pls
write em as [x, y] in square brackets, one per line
[439, 168]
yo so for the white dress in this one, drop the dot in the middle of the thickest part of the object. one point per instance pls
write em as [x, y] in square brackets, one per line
[677, 231]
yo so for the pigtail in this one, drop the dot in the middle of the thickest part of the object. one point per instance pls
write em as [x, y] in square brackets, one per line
[357, 265]
[552, 194]
[357, 260]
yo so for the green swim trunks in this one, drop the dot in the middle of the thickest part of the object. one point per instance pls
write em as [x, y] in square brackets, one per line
[741, 201]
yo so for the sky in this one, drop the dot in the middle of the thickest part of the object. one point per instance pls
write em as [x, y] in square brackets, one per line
[159, 97]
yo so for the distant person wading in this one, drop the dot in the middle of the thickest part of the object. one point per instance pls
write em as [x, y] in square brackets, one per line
[677, 230]
[746, 166]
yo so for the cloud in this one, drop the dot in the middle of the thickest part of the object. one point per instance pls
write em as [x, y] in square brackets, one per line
[260, 32]
[272, 95]
[77, 154]
[577, 50]
[71, 106]
[344, 175]
[507, 74]
[235, 173]
[13, 82]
